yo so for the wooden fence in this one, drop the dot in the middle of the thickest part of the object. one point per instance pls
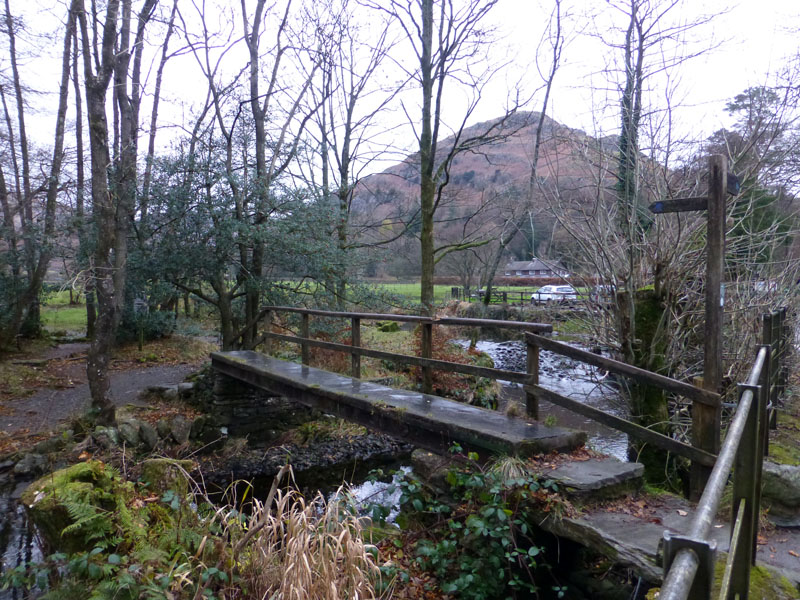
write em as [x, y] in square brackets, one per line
[704, 402]
[689, 561]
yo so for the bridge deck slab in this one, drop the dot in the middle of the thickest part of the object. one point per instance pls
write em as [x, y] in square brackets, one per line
[428, 421]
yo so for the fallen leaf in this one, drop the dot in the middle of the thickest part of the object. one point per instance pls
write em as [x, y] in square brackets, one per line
[84, 455]
[718, 526]
[682, 513]
[761, 540]
[793, 553]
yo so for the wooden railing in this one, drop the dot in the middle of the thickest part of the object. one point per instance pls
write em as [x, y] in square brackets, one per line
[699, 396]
[529, 379]
[426, 361]
[689, 560]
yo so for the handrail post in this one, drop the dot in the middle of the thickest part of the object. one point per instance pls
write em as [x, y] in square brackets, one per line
[267, 331]
[531, 401]
[355, 342]
[781, 368]
[304, 331]
[745, 482]
[427, 352]
[705, 436]
[767, 340]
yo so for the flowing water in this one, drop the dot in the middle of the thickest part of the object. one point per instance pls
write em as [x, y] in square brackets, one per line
[569, 378]
[17, 542]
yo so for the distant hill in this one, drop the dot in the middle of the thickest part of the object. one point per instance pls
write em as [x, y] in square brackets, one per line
[487, 182]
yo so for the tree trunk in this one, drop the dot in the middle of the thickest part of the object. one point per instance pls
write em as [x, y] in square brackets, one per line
[104, 210]
[426, 161]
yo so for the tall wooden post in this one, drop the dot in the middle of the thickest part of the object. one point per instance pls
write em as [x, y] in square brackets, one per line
[706, 421]
[531, 401]
[267, 331]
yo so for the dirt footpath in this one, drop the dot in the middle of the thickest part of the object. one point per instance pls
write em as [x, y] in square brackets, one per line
[48, 408]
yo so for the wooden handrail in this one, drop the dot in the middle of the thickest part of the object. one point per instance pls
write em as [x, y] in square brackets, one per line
[448, 321]
[620, 368]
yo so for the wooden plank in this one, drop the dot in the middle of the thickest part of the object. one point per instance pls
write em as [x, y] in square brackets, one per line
[349, 315]
[424, 420]
[534, 327]
[538, 327]
[614, 366]
[620, 424]
[679, 205]
[438, 365]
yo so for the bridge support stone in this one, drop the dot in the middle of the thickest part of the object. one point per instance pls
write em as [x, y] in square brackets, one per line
[248, 411]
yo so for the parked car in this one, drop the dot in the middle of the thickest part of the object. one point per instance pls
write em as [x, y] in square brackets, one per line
[554, 293]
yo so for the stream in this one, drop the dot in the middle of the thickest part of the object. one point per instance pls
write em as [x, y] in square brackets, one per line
[569, 378]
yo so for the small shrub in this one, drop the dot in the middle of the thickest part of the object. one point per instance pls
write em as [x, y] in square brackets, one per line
[483, 548]
[148, 326]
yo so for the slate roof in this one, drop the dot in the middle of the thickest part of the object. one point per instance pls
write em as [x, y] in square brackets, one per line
[536, 264]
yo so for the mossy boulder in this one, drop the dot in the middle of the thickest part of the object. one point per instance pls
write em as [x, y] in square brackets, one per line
[79, 507]
[162, 474]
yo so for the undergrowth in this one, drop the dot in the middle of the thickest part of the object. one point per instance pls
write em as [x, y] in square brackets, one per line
[127, 540]
[480, 543]
[472, 389]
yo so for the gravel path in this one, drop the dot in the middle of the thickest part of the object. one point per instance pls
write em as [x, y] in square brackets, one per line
[46, 409]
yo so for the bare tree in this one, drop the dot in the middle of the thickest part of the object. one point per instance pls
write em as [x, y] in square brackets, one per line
[37, 248]
[449, 39]
[555, 37]
[113, 197]
[604, 212]
[351, 102]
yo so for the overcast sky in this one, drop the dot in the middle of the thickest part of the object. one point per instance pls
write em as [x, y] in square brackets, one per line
[752, 40]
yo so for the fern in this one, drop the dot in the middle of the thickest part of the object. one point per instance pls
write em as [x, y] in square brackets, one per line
[91, 523]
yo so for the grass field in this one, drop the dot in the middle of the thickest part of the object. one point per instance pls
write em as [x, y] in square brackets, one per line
[59, 315]
[441, 293]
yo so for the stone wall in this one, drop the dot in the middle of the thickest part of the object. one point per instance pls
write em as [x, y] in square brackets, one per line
[248, 411]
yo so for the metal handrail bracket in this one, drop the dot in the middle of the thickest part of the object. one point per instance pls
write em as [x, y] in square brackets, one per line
[706, 552]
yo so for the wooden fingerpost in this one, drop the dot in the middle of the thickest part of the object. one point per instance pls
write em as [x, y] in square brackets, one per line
[304, 330]
[355, 342]
[531, 400]
[427, 352]
[706, 420]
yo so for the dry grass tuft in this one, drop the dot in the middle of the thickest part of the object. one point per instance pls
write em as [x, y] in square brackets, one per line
[308, 550]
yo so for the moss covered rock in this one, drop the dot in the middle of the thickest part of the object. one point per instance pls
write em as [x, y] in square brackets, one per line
[162, 474]
[79, 507]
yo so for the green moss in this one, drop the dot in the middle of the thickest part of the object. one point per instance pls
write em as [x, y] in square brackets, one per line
[764, 584]
[162, 474]
[783, 447]
[80, 506]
